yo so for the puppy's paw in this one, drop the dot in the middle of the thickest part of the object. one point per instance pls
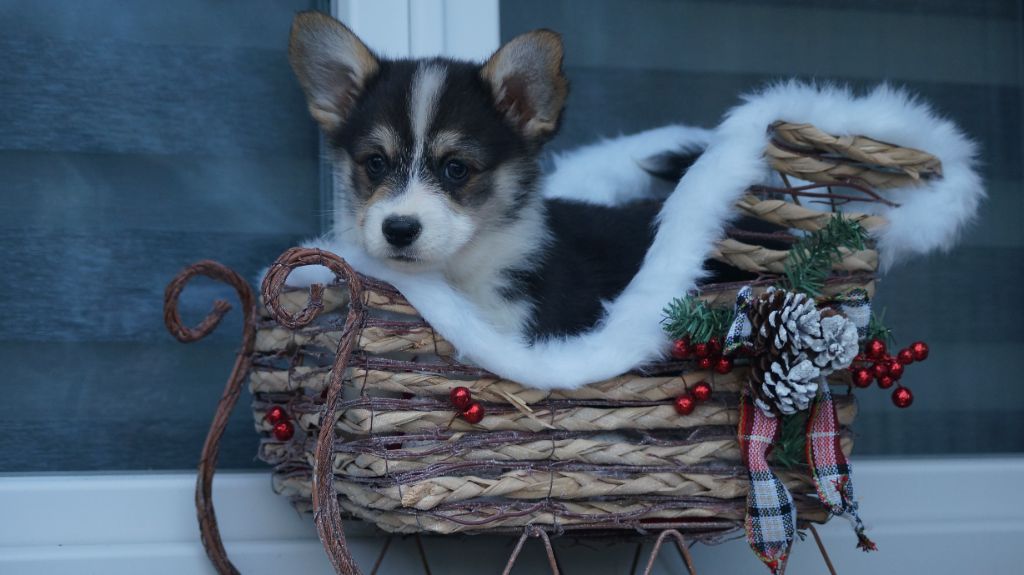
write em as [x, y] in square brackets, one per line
[304, 276]
[309, 275]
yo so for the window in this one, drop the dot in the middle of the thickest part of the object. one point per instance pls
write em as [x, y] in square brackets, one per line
[637, 65]
[136, 138]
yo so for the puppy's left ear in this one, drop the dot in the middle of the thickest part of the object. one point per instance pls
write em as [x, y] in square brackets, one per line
[526, 77]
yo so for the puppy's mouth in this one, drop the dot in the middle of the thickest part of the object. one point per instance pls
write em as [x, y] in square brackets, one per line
[403, 258]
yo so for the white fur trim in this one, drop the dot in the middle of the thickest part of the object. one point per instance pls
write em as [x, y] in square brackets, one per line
[611, 171]
[692, 219]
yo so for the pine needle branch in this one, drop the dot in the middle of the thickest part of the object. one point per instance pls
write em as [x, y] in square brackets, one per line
[691, 317]
[810, 260]
[789, 450]
[877, 330]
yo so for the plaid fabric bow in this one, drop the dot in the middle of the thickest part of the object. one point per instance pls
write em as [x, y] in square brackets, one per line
[830, 470]
[771, 516]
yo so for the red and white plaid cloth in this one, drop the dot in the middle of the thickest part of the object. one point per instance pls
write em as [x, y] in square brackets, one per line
[771, 516]
[830, 469]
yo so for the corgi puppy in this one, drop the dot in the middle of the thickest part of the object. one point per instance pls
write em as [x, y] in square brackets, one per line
[436, 167]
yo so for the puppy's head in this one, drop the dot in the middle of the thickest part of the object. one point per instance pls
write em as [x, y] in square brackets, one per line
[427, 153]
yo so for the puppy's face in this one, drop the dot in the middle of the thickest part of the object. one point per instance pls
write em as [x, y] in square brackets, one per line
[428, 153]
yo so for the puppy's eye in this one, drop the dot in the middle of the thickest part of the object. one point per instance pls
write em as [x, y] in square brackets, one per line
[376, 165]
[455, 171]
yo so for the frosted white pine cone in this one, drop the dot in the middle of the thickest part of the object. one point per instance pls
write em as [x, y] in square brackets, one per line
[838, 344]
[791, 384]
[797, 323]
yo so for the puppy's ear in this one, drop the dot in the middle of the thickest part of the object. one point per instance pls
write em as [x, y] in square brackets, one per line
[332, 65]
[529, 88]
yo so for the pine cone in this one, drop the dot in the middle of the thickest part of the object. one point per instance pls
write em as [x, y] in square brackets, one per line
[785, 384]
[782, 321]
[838, 344]
[787, 342]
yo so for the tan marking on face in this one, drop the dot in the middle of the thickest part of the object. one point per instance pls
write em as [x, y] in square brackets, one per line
[379, 194]
[383, 138]
[452, 144]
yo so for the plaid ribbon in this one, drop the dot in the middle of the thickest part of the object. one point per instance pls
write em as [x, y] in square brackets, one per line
[856, 305]
[739, 332]
[771, 516]
[831, 471]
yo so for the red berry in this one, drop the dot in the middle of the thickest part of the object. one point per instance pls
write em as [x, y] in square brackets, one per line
[723, 365]
[862, 377]
[284, 430]
[905, 356]
[874, 349]
[474, 413]
[701, 391]
[886, 381]
[704, 363]
[714, 346]
[685, 404]
[895, 368]
[920, 350]
[680, 349]
[880, 369]
[902, 397]
[276, 415]
[701, 350]
[461, 397]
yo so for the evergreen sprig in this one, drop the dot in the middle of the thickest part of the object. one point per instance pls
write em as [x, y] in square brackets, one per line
[691, 317]
[877, 330]
[810, 259]
[790, 449]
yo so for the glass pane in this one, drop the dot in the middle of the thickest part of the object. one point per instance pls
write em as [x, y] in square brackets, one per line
[135, 138]
[636, 65]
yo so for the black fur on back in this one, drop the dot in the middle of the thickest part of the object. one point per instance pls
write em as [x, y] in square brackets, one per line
[595, 252]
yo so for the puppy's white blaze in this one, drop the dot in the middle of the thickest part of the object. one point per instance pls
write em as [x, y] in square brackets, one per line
[427, 84]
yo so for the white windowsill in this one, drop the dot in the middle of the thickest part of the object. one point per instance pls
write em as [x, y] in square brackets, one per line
[955, 515]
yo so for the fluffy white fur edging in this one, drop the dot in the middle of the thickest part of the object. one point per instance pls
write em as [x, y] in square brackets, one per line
[693, 216]
[611, 171]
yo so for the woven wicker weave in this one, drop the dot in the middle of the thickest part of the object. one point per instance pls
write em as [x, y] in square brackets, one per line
[610, 456]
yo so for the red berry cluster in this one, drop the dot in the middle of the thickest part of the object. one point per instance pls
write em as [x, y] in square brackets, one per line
[462, 400]
[687, 402]
[875, 364]
[280, 424]
[708, 355]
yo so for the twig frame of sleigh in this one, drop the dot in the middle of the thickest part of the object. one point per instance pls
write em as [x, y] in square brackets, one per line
[612, 458]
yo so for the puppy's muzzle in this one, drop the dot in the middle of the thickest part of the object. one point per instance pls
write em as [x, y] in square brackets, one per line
[400, 231]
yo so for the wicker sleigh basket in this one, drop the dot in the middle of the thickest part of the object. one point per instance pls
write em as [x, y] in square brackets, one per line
[611, 456]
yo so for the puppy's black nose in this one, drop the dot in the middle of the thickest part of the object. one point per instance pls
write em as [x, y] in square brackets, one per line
[400, 231]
